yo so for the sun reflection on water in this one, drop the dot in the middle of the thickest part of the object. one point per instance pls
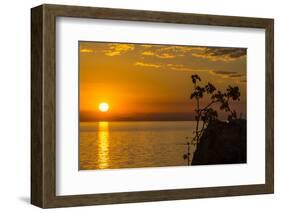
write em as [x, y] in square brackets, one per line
[103, 145]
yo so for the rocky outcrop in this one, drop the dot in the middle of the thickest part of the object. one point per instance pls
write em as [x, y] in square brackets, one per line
[222, 143]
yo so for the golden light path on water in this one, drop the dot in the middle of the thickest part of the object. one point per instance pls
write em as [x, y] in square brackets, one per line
[103, 145]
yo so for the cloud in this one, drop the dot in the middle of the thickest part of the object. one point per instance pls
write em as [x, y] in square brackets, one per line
[236, 75]
[227, 74]
[168, 52]
[118, 49]
[148, 53]
[211, 53]
[85, 50]
[147, 65]
[181, 49]
[146, 45]
[113, 53]
[176, 67]
[181, 67]
[158, 55]
[221, 53]
[165, 55]
[220, 72]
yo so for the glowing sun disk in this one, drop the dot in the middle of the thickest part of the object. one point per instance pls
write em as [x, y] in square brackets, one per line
[103, 107]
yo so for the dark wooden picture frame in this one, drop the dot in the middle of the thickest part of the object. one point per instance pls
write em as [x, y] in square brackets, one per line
[43, 105]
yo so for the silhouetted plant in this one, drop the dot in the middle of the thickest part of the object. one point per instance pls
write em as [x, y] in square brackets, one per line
[207, 114]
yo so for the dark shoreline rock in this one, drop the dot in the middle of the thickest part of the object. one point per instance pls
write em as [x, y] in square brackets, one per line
[222, 143]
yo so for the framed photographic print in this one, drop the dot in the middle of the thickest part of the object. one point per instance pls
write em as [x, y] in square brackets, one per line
[136, 106]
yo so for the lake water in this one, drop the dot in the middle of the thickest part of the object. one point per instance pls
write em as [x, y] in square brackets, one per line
[112, 145]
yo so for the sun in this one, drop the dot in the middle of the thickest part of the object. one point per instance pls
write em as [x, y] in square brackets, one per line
[103, 107]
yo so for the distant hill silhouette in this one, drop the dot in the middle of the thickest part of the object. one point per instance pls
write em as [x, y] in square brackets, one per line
[153, 116]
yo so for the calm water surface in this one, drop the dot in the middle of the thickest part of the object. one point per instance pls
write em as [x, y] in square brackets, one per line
[112, 145]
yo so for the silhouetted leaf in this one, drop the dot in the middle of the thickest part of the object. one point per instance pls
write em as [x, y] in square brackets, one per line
[195, 78]
[210, 88]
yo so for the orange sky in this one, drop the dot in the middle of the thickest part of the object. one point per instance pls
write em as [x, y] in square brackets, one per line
[152, 82]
